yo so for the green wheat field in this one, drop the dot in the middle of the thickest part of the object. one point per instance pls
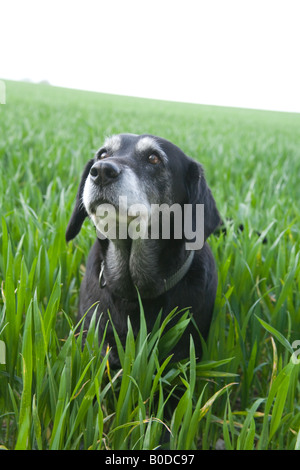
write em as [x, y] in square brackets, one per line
[57, 392]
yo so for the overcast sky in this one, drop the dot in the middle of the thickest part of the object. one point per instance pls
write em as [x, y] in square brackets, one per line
[243, 53]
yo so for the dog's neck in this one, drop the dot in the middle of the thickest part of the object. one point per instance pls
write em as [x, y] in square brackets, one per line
[143, 264]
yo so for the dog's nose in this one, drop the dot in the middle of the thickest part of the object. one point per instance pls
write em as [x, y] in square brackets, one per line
[104, 172]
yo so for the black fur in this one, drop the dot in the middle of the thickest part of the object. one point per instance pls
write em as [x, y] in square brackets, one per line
[178, 180]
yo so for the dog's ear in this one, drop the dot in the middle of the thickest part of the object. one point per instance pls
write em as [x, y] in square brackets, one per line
[199, 193]
[79, 212]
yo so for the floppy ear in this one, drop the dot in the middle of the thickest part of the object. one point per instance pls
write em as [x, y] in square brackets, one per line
[79, 212]
[199, 193]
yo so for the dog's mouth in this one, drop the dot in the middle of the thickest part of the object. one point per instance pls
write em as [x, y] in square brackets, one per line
[120, 208]
[95, 197]
[126, 201]
[118, 211]
[95, 205]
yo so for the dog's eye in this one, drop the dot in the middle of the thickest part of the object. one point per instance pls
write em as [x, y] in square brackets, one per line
[102, 154]
[153, 159]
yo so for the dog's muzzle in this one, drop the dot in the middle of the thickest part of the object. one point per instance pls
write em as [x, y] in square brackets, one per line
[103, 173]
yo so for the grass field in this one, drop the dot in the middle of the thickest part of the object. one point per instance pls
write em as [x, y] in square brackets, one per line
[54, 394]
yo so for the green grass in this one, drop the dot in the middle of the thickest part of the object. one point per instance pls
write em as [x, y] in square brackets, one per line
[57, 394]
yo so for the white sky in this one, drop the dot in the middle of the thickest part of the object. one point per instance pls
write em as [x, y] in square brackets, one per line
[243, 53]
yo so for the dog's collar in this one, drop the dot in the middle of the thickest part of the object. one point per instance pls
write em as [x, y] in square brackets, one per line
[168, 283]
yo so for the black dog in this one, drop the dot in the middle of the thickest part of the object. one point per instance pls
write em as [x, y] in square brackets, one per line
[167, 270]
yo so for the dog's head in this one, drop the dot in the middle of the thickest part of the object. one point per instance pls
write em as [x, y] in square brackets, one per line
[148, 171]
